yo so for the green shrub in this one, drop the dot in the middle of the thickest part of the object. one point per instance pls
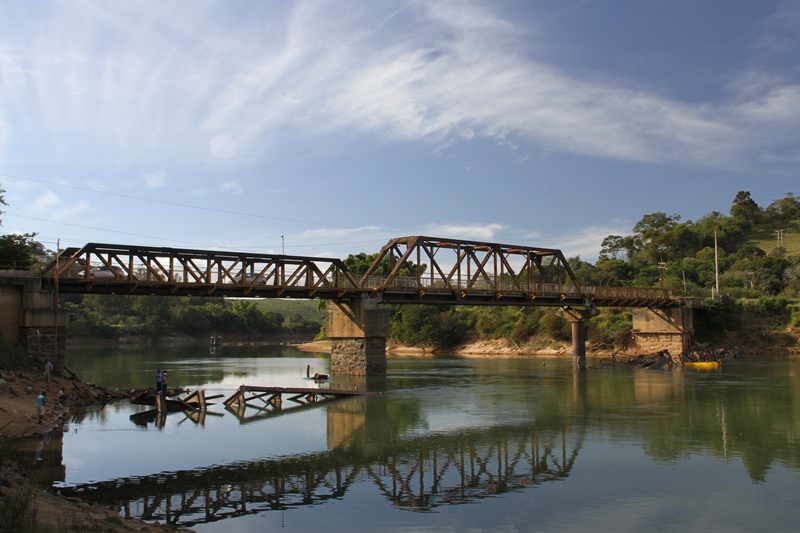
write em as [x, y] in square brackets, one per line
[555, 327]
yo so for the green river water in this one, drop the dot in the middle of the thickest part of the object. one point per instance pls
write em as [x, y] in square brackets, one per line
[447, 445]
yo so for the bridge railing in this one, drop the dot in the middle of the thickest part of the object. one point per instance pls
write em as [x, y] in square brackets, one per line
[481, 285]
[600, 294]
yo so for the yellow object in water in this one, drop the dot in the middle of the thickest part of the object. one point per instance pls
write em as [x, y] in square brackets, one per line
[704, 365]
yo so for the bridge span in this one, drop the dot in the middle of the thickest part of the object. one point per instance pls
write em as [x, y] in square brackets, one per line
[407, 270]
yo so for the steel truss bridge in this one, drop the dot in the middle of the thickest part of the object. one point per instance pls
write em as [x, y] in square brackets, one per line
[417, 475]
[424, 270]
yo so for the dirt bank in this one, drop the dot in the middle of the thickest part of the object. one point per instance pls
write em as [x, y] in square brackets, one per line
[19, 418]
[493, 348]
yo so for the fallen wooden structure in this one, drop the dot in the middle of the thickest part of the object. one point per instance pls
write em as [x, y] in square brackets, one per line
[272, 397]
[195, 401]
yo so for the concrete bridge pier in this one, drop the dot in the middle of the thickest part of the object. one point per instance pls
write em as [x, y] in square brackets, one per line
[578, 318]
[668, 328]
[28, 317]
[358, 330]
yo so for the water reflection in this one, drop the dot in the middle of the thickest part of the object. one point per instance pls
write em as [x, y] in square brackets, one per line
[417, 474]
[445, 432]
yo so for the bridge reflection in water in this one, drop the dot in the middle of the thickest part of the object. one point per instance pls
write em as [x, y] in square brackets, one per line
[417, 474]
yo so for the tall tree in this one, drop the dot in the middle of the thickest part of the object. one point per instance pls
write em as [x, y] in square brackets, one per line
[745, 211]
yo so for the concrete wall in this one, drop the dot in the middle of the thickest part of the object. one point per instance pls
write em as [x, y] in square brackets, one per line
[669, 328]
[28, 316]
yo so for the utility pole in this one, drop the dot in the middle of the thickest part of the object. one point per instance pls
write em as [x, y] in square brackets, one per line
[283, 247]
[716, 264]
[780, 233]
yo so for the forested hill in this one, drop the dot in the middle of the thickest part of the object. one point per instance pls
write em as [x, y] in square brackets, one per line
[758, 251]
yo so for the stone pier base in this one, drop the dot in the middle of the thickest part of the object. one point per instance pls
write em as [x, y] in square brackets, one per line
[359, 357]
[358, 332]
[663, 329]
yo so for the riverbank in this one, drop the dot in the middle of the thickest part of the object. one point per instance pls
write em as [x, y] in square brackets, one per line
[499, 348]
[502, 348]
[45, 511]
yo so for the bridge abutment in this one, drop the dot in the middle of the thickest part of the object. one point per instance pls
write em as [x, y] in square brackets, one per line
[358, 330]
[668, 328]
[28, 317]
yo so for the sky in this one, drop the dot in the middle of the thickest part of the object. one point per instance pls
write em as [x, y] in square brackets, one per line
[325, 128]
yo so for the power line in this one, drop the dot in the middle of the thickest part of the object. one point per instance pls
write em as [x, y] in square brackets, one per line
[204, 245]
[187, 206]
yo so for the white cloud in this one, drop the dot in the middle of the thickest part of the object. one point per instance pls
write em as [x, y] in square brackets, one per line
[231, 186]
[54, 207]
[586, 242]
[466, 231]
[155, 180]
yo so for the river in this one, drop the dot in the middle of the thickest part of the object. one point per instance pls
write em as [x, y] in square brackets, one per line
[447, 445]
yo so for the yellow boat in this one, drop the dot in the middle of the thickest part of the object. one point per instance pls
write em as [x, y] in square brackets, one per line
[704, 365]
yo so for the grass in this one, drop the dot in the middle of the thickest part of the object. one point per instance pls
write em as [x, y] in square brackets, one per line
[766, 237]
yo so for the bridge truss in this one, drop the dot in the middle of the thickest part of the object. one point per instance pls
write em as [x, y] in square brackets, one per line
[423, 270]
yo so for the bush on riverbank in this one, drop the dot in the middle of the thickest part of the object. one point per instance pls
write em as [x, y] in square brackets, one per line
[762, 322]
[757, 322]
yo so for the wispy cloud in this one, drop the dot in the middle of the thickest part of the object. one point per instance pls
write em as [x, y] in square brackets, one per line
[231, 186]
[55, 207]
[586, 242]
[440, 72]
[155, 180]
[466, 231]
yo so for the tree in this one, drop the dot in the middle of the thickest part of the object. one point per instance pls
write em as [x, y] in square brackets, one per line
[663, 237]
[19, 251]
[360, 263]
[784, 210]
[745, 211]
[618, 247]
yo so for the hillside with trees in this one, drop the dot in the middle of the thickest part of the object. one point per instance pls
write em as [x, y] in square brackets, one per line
[752, 254]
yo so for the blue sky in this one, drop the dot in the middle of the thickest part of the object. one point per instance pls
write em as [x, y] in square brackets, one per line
[325, 128]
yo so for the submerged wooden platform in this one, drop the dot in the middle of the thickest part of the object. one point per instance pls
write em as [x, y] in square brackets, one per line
[195, 401]
[273, 396]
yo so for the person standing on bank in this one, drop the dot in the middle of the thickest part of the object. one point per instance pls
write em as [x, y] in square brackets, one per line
[164, 382]
[48, 367]
[40, 400]
[159, 380]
